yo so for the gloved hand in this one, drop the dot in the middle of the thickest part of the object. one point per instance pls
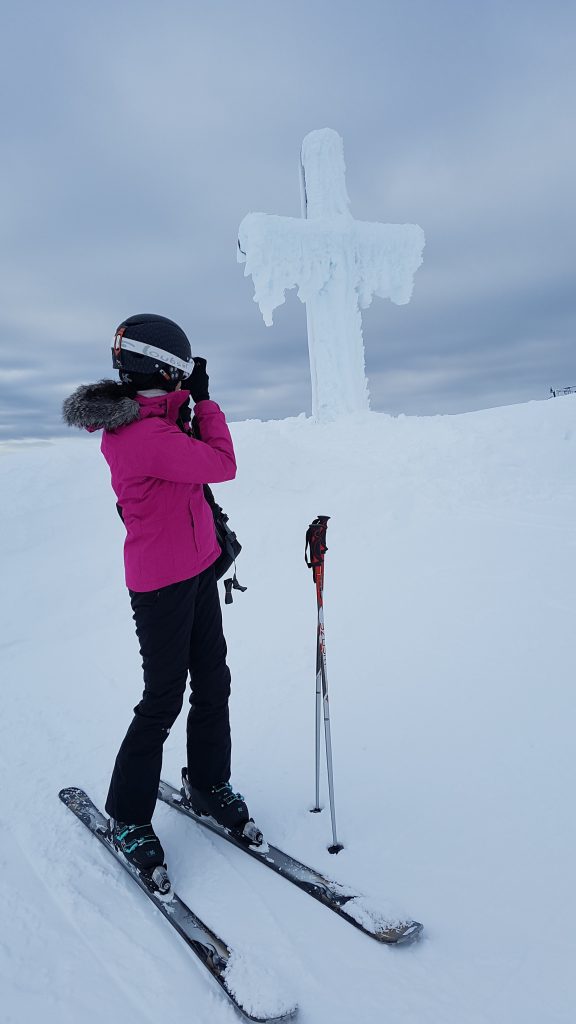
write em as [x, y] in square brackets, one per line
[197, 382]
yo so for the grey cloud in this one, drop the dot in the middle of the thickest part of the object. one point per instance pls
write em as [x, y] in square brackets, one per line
[139, 138]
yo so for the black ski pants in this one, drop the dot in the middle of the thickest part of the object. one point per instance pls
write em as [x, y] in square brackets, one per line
[180, 631]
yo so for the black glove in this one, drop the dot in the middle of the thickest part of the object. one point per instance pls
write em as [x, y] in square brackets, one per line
[197, 382]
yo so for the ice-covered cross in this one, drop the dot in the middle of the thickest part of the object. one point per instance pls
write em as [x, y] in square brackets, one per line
[337, 264]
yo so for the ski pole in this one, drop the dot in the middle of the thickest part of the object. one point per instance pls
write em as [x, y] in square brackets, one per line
[316, 545]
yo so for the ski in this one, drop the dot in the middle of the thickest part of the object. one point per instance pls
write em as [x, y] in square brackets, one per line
[348, 904]
[210, 950]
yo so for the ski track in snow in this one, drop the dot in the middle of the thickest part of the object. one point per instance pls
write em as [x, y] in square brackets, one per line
[43, 979]
[449, 645]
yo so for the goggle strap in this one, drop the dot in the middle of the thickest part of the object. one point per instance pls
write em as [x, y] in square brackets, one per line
[143, 349]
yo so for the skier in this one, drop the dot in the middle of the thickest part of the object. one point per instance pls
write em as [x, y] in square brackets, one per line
[158, 469]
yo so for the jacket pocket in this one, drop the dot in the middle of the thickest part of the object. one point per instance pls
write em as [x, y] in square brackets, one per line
[192, 512]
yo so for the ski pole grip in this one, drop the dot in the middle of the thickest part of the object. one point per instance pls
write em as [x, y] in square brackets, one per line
[316, 542]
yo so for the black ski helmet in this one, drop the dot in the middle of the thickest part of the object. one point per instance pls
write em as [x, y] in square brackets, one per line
[147, 345]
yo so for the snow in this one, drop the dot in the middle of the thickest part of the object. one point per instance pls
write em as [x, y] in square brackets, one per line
[449, 629]
[383, 918]
[324, 176]
[256, 987]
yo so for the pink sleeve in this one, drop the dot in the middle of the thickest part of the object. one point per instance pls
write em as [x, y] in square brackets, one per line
[168, 454]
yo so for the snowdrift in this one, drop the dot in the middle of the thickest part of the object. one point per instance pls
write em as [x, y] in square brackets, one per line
[449, 623]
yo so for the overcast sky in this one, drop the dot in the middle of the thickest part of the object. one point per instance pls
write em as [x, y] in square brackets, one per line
[136, 135]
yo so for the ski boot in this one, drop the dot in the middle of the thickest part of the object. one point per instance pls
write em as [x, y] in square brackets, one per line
[141, 847]
[225, 807]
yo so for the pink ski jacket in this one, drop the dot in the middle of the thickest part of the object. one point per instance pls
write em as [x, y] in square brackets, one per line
[157, 474]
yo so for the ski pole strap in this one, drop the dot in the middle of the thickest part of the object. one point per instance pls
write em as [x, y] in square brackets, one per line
[316, 542]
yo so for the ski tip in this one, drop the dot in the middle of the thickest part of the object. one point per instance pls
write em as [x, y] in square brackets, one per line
[257, 1018]
[288, 1016]
[256, 990]
[382, 922]
[70, 793]
[404, 936]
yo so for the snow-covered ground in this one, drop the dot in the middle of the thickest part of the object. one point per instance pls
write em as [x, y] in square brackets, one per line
[450, 611]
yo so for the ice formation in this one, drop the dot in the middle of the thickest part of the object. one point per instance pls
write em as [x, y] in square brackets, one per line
[337, 265]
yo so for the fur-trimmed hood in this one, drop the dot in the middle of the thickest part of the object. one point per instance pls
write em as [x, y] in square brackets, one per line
[104, 405]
